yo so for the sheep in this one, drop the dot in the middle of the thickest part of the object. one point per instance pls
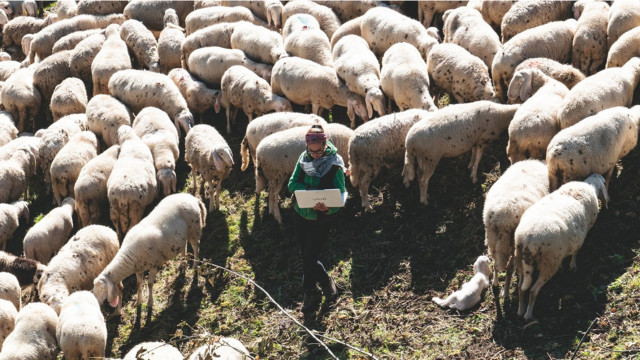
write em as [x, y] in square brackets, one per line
[8, 8]
[210, 63]
[207, 153]
[321, 87]
[177, 220]
[470, 294]
[201, 18]
[430, 13]
[18, 27]
[5, 56]
[142, 43]
[198, 96]
[624, 15]
[105, 115]
[90, 189]
[26, 142]
[170, 42]
[299, 22]
[34, 335]
[605, 89]
[566, 74]
[404, 78]
[21, 98]
[268, 10]
[590, 40]
[452, 67]
[155, 129]
[81, 330]
[464, 26]
[10, 290]
[258, 43]
[214, 35]
[10, 219]
[82, 57]
[519, 187]
[222, 348]
[7, 68]
[8, 130]
[27, 271]
[532, 43]
[68, 162]
[378, 143]
[527, 14]
[139, 89]
[625, 48]
[153, 351]
[311, 44]
[535, 123]
[550, 230]
[268, 124]
[48, 73]
[66, 9]
[241, 88]
[351, 27]
[151, 14]
[100, 7]
[327, 19]
[277, 154]
[112, 57]
[492, 10]
[594, 145]
[69, 97]
[30, 8]
[14, 174]
[47, 236]
[69, 42]
[8, 314]
[348, 10]
[450, 132]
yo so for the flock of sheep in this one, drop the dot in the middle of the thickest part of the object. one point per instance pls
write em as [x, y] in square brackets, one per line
[104, 91]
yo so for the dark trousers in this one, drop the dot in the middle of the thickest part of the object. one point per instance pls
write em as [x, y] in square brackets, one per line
[312, 235]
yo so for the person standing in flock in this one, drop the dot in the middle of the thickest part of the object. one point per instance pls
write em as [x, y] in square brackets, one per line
[319, 167]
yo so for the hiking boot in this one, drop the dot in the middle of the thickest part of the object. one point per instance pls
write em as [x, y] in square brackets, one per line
[312, 299]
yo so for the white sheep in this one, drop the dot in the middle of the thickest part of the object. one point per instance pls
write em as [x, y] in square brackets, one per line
[624, 15]
[5, 56]
[10, 290]
[18, 27]
[139, 89]
[100, 7]
[15, 173]
[105, 115]
[625, 48]
[10, 215]
[379, 143]
[66, 9]
[68, 162]
[69, 42]
[321, 87]
[201, 18]
[358, 66]
[69, 97]
[451, 132]
[327, 19]
[492, 10]
[48, 74]
[470, 294]
[221, 348]
[214, 35]
[519, 187]
[81, 330]
[605, 89]
[8, 130]
[82, 57]
[47, 236]
[152, 13]
[550, 230]
[565, 73]
[90, 189]
[132, 185]
[142, 43]
[177, 220]
[77, 263]
[153, 351]
[299, 22]
[170, 43]
[311, 44]
[594, 145]
[28, 271]
[26, 142]
[21, 98]
[199, 97]
[465, 26]
[268, 10]
[155, 129]
[590, 40]
[258, 43]
[210, 63]
[527, 14]
[404, 78]
[351, 27]
[7, 68]
[348, 10]
[208, 154]
[242, 88]
[430, 13]
[30, 8]
[112, 57]
[535, 123]
[8, 314]
[34, 335]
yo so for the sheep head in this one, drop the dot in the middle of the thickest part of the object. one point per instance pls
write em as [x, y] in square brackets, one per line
[374, 100]
[104, 289]
[482, 266]
[274, 14]
[520, 85]
[356, 107]
[184, 120]
[23, 209]
[167, 177]
[222, 157]
[599, 185]
[69, 201]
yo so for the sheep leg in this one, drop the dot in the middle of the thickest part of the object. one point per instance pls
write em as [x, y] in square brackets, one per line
[83, 213]
[274, 192]
[507, 281]
[364, 192]
[545, 274]
[228, 111]
[114, 215]
[218, 189]
[150, 281]
[194, 179]
[139, 282]
[572, 265]
[472, 158]
[474, 170]
[195, 245]
[136, 211]
[426, 169]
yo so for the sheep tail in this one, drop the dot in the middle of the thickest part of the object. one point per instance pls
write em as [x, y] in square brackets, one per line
[244, 152]
[354, 175]
[203, 214]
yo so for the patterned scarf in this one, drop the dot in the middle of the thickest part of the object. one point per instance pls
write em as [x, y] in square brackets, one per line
[320, 167]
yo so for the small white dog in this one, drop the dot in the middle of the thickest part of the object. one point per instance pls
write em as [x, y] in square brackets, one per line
[470, 293]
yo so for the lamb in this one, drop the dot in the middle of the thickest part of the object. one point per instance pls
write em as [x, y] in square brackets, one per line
[605, 89]
[151, 14]
[625, 48]
[465, 26]
[90, 189]
[155, 129]
[27, 271]
[66, 9]
[241, 88]
[201, 18]
[278, 153]
[82, 57]
[327, 19]
[527, 14]
[566, 74]
[112, 57]
[258, 43]
[268, 124]
[142, 43]
[529, 44]
[378, 143]
[177, 220]
[69, 97]
[450, 132]
[214, 35]
[594, 145]
[299, 22]
[48, 73]
[624, 15]
[550, 230]
[10, 219]
[14, 174]
[519, 187]
[170, 43]
[404, 78]
[21, 98]
[321, 87]
[77, 263]
[590, 41]
[535, 123]
[269, 10]
[153, 351]
[100, 7]
[105, 115]
[34, 335]
[68, 162]
[8, 130]
[223, 348]
[198, 96]
[311, 44]
[81, 330]
[10, 290]
[18, 27]
[69, 42]
[207, 152]
[132, 185]
[139, 89]
[8, 314]
[210, 63]
[470, 294]
[452, 68]
[47, 236]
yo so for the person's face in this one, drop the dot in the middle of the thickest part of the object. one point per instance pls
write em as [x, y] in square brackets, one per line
[316, 150]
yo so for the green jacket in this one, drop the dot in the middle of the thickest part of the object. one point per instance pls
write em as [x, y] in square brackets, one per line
[313, 181]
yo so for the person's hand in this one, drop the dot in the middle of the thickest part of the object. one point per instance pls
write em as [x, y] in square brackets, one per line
[320, 207]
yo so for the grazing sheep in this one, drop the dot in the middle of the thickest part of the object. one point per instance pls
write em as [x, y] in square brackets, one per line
[221, 348]
[527, 14]
[327, 19]
[69, 42]
[550, 230]
[465, 26]
[311, 44]
[34, 335]
[68, 162]
[18, 27]
[430, 13]
[451, 132]
[625, 48]
[470, 294]
[210, 63]
[48, 74]
[590, 41]
[170, 43]
[268, 10]
[201, 18]
[624, 15]
[105, 115]
[10, 219]
[112, 57]
[15, 173]
[66, 9]
[566, 74]
[198, 96]
[151, 13]
[141, 42]
[69, 97]
[27, 271]
[153, 351]
[10, 290]
[594, 145]
[208, 154]
[47, 236]
[21, 98]
[177, 220]
[8, 130]
[258, 43]
[82, 58]
[81, 330]
[299, 22]
[100, 7]
[8, 314]
[214, 35]
[351, 27]
[90, 190]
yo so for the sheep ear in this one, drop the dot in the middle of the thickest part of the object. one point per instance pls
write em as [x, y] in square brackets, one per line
[269, 17]
[173, 184]
[216, 103]
[350, 111]
[525, 89]
[217, 160]
[112, 297]
[368, 99]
